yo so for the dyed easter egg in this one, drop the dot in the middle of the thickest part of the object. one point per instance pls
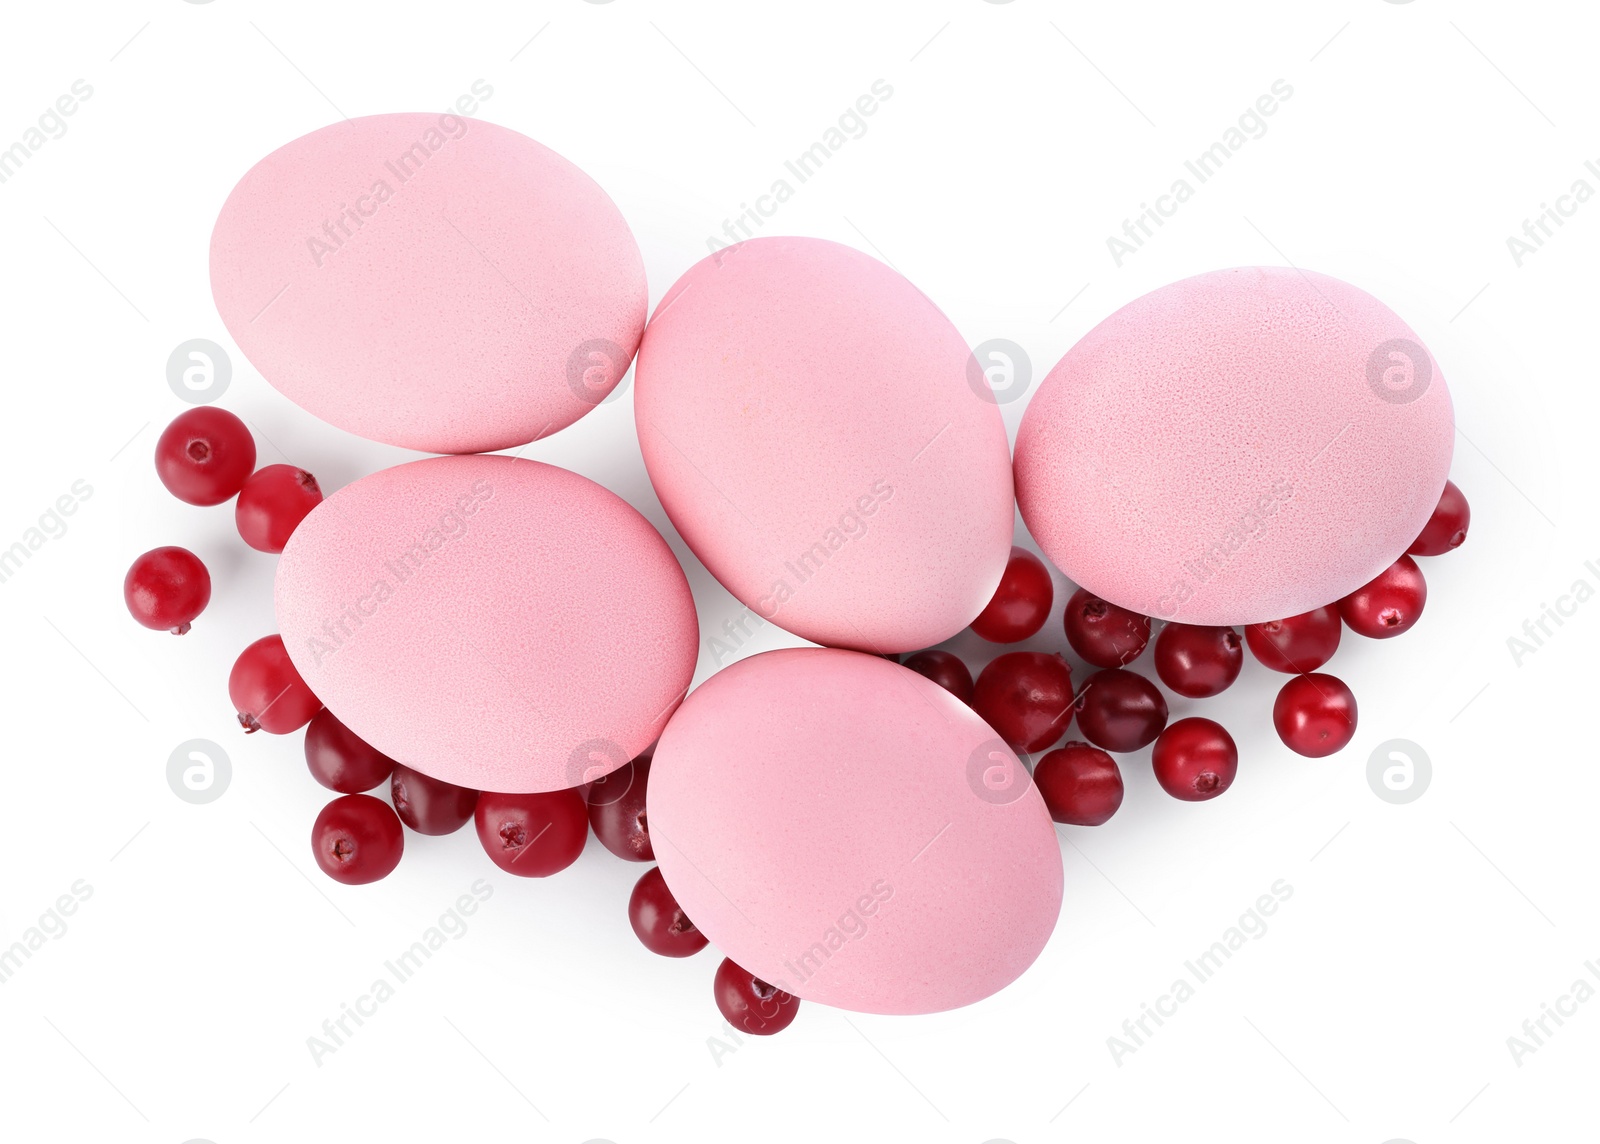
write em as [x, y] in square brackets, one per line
[811, 424]
[1237, 447]
[430, 281]
[501, 624]
[852, 833]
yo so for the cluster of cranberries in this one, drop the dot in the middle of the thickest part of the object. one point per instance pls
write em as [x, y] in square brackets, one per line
[1029, 699]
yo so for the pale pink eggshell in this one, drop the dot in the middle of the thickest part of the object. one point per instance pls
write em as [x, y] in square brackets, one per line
[497, 623]
[808, 419]
[492, 293]
[1236, 447]
[850, 832]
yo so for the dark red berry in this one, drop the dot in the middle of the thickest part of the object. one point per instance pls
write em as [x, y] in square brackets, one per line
[1315, 715]
[1120, 710]
[1446, 528]
[658, 919]
[1026, 696]
[1102, 633]
[749, 1004]
[167, 588]
[616, 811]
[1198, 661]
[267, 691]
[1298, 644]
[272, 504]
[1021, 603]
[429, 805]
[1389, 603]
[357, 839]
[1081, 784]
[1195, 759]
[945, 669]
[339, 759]
[532, 835]
[205, 455]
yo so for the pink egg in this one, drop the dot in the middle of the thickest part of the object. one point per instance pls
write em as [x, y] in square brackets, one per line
[852, 833]
[497, 623]
[1237, 447]
[429, 281]
[810, 423]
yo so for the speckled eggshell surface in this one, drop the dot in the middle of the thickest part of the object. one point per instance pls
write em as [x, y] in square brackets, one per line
[497, 623]
[1236, 447]
[852, 833]
[808, 419]
[430, 281]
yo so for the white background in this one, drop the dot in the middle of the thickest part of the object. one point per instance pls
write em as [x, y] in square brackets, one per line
[1018, 138]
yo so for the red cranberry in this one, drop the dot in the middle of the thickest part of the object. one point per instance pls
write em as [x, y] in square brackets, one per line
[205, 455]
[658, 919]
[1026, 696]
[267, 691]
[272, 504]
[1195, 759]
[429, 805]
[1120, 710]
[357, 839]
[1081, 784]
[1315, 715]
[340, 760]
[945, 669]
[1298, 644]
[167, 588]
[749, 1004]
[533, 835]
[1022, 602]
[1446, 528]
[1102, 633]
[1389, 603]
[616, 811]
[1198, 661]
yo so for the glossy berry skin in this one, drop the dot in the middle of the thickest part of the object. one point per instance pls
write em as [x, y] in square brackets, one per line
[1081, 784]
[944, 668]
[1315, 715]
[167, 588]
[429, 805]
[749, 1004]
[267, 691]
[1195, 759]
[1446, 528]
[1120, 710]
[658, 919]
[532, 835]
[616, 811]
[1102, 633]
[339, 759]
[205, 455]
[272, 504]
[1388, 604]
[1196, 661]
[357, 839]
[1298, 644]
[1026, 696]
[1021, 603]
